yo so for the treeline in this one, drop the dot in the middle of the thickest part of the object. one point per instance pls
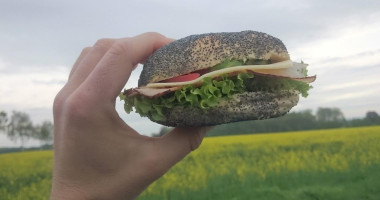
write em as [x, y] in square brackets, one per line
[323, 118]
[18, 127]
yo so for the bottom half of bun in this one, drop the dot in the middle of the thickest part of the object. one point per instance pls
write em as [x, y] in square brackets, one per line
[240, 107]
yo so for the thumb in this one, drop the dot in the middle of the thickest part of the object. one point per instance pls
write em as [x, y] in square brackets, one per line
[179, 142]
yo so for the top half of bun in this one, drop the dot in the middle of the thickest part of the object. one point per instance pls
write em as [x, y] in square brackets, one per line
[202, 51]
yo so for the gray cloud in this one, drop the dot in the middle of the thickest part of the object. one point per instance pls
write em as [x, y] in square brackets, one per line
[356, 55]
[47, 32]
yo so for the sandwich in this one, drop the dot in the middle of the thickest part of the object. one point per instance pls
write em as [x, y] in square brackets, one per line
[218, 78]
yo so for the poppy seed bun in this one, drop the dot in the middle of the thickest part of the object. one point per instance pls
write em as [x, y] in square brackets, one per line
[241, 107]
[202, 51]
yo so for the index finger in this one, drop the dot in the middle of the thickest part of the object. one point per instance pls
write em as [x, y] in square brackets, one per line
[112, 72]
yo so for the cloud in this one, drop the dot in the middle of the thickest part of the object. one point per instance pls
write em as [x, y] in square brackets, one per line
[30, 88]
[364, 57]
[353, 38]
[352, 84]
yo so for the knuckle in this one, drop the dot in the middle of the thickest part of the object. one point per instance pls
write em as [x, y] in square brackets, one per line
[86, 50]
[76, 107]
[104, 44]
[122, 47]
[58, 103]
[154, 34]
[195, 140]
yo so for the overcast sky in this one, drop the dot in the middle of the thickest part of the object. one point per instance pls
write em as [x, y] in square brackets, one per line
[40, 40]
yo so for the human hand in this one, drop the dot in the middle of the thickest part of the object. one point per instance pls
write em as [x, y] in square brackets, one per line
[96, 154]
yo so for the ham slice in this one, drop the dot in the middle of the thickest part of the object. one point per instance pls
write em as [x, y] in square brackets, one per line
[307, 79]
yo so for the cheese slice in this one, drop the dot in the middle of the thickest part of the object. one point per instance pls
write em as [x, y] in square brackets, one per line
[285, 69]
[297, 70]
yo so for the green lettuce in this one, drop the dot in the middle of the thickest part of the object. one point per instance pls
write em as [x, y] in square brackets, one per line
[274, 84]
[206, 96]
[226, 63]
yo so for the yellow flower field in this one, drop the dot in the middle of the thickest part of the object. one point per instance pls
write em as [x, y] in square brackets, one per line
[25, 175]
[323, 164]
[237, 158]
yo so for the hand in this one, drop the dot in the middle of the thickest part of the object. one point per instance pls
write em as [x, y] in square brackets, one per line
[96, 154]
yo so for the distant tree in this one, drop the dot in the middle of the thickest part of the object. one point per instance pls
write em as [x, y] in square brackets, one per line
[372, 116]
[330, 118]
[302, 120]
[44, 133]
[330, 115]
[3, 120]
[20, 128]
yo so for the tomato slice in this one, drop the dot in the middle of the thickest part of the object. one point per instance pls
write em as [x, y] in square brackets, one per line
[203, 71]
[182, 78]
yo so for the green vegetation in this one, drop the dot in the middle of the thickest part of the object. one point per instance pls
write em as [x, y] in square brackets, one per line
[275, 84]
[25, 176]
[235, 62]
[324, 164]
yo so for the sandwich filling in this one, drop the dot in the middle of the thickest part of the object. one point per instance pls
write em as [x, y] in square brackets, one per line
[205, 88]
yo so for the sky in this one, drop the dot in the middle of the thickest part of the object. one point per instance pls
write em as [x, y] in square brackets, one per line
[41, 39]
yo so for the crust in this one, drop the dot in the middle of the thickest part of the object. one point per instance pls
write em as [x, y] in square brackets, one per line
[197, 52]
[241, 107]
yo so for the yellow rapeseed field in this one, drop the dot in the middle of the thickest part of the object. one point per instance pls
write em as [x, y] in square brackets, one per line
[324, 164]
[240, 157]
[25, 175]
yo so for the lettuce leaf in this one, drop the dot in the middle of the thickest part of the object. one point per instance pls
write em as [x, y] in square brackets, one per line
[204, 97]
[226, 63]
[274, 84]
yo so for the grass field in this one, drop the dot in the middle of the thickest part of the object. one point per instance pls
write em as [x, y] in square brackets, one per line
[325, 164]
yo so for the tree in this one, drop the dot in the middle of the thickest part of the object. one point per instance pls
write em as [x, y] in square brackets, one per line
[330, 118]
[3, 120]
[20, 128]
[372, 116]
[44, 132]
[330, 115]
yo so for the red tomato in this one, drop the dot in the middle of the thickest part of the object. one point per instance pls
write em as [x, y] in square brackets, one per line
[183, 78]
[203, 71]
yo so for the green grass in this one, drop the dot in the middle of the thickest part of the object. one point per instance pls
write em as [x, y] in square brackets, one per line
[325, 164]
